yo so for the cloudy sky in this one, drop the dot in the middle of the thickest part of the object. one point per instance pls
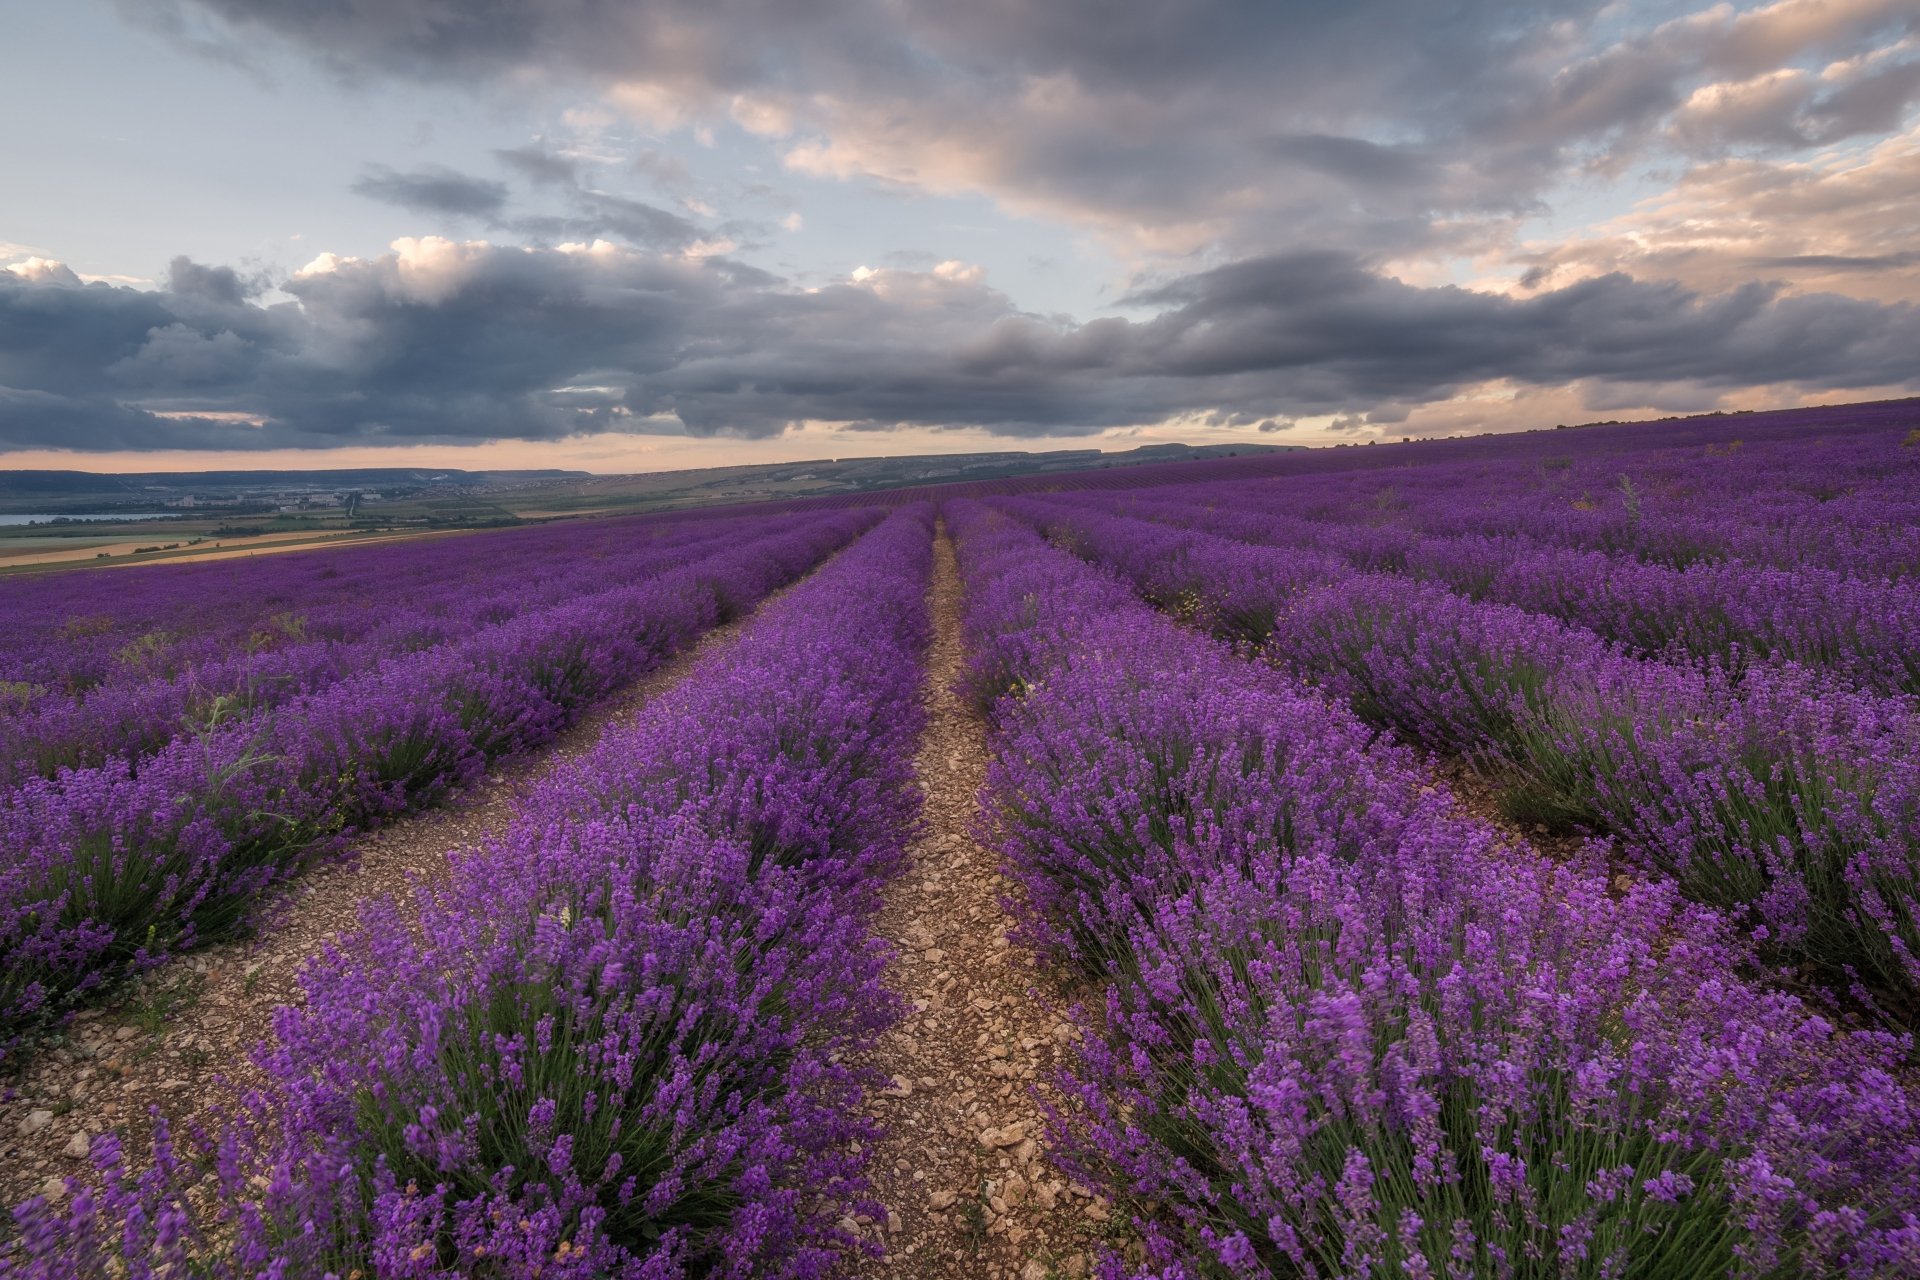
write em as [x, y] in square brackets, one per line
[631, 234]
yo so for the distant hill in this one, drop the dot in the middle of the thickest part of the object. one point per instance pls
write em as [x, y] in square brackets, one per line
[448, 495]
[162, 485]
[831, 477]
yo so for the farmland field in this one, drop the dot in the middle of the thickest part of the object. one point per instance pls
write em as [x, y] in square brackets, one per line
[1483, 858]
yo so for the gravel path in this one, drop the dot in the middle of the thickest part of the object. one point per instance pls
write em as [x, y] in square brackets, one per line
[970, 1191]
[179, 1038]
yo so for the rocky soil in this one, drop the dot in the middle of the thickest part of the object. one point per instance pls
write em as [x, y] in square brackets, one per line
[964, 1168]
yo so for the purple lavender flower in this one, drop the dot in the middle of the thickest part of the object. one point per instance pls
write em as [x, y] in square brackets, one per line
[116, 865]
[1351, 1033]
[616, 1042]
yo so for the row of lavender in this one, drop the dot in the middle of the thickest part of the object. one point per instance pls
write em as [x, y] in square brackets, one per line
[1853, 617]
[1844, 502]
[1768, 791]
[615, 1044]
[1349, 1033]
[68, 626]
[103, 664]
[113, 867]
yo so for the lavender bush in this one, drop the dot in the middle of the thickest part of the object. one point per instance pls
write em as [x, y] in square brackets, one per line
[1772, 790]
[98, 665]
[614, 1044]
[116, 866]
[1350, 1034]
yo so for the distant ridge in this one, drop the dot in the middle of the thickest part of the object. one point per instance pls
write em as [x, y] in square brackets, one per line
[55, 484]
[558, 491]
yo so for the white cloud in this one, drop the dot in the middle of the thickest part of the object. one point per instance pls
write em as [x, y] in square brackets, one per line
[1842, 222]
[960, 272]
[765, 116]
[431, 269]
[45, 271]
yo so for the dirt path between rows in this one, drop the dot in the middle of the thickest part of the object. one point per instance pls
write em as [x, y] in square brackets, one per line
[962, 1171]
[179, 1039]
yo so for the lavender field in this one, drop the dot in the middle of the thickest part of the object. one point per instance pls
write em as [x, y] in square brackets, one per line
[1485, 858]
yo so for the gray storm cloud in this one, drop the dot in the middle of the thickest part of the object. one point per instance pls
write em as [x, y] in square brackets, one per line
[1281, 170]
[434, 189]
[1383, 127]
[447, 342]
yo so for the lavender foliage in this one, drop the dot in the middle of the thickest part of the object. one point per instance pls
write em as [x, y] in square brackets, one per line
[1349, 1033]
[115, 866]
[1771, 789]
[616, 1043]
